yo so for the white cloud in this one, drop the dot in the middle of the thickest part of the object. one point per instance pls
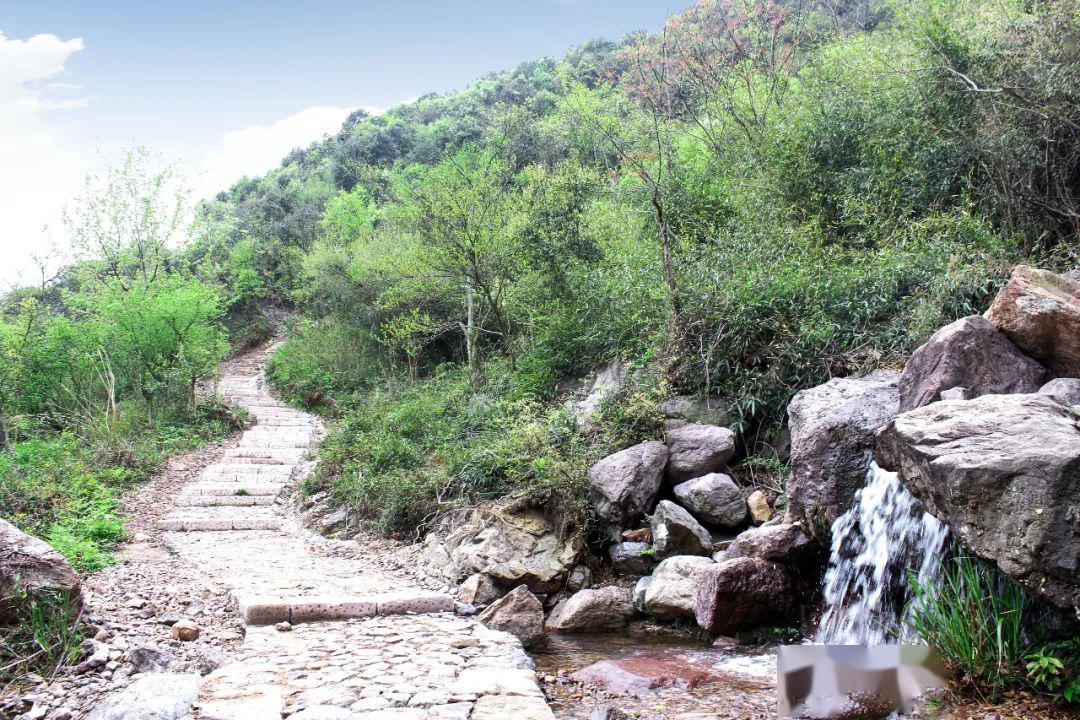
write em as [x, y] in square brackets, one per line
[259, 148]
[39, 167]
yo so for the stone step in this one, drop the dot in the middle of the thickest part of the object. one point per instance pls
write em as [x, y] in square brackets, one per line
[220, 518]
[247, 471]
[193, 499]
[256, 487]
[263, 610]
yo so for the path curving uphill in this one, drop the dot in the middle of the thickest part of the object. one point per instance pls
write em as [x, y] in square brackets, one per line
[328, 635]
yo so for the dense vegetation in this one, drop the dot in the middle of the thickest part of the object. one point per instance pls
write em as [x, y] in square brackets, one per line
[760, 197]
[100, 366]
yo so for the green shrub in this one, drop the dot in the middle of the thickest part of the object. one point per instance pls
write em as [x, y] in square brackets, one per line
[403, 455]
[323, 363]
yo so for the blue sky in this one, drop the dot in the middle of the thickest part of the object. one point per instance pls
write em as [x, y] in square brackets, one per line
[229, 87]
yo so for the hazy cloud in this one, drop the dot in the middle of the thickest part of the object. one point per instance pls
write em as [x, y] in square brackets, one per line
[39, 167]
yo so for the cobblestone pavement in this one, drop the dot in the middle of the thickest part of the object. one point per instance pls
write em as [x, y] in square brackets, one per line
[327, 635]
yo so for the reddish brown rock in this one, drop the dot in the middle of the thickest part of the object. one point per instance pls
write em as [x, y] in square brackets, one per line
[639, 673]
[970, 354]
[1040, 312]
[742, 594]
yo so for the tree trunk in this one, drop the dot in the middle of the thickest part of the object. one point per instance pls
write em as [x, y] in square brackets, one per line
[471, 349]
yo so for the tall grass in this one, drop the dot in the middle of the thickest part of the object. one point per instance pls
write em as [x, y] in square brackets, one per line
[48, 635]
[975, 617]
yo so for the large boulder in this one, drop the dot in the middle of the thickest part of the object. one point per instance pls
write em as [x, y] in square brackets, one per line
[713, 499]
[970, 354]
[623, 486]
[785, 543]
[743, 594]
[1040, 312]
[30, 569]
[479, 590]
[696, 449]
[514, 548]
[671, 591]
[519, 613]
[1064, 390]
[832, 436]
[676, 532]
[608, 381]
[606, 608]
[1004, 473]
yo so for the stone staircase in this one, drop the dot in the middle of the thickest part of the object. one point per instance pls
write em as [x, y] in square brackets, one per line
[329, 636]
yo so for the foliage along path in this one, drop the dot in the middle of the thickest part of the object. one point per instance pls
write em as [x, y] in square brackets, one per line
[327, 636]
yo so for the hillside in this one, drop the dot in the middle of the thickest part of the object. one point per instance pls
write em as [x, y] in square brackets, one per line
[678, 260]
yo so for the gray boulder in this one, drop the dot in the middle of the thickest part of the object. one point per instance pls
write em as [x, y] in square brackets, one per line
[1004, 472]
[971, 354]
[743, 594]
[710, 411]
[514, 548]
[832, 436]
[696, 449]
[676, 532]
[155, 696]
[1040, 312]
[1064, 390]
[632, 558]
[640, 589]
[519, 613]
[672, 589]
[606, 608]
[785, 543]
[623, 486]
[31, 570]
[714, 499]
[608, 381]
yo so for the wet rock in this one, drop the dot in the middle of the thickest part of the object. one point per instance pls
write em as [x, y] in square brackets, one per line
[623, 486]
[714, 499]
[1040, 312]
[479, 590]
[785, 543]
[1064, 390]
[1004, 472]
[632, 558]
[743, 594]
[696, 450]
[832, 435]
[157, 696]
[515, 548]
[676, 532]
[30, 569]
[519, 613]
[606, 608]
[640, 673]
[758, 504]
[971, 354]
[672, 589]
[185, 631]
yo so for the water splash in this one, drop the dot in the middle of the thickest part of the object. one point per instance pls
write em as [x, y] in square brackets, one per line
[885, 535]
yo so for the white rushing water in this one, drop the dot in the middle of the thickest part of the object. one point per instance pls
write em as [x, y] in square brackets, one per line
[884, 536]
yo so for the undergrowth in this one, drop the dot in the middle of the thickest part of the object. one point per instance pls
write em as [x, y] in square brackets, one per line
[982, 624]
[63, 486]
[47, 635]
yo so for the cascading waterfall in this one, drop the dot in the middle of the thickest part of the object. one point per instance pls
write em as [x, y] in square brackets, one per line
[885, 535]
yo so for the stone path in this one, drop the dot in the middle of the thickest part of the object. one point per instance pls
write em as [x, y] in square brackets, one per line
[328, 636]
